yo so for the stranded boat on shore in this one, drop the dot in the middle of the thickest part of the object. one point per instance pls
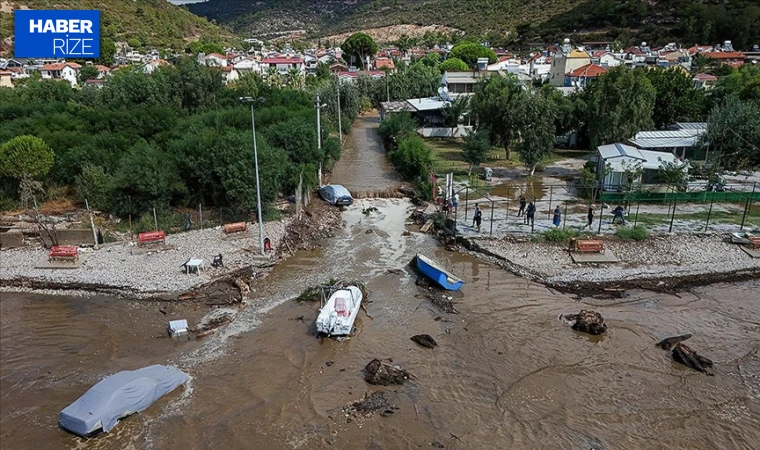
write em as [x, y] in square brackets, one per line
[438, 274]
[338, 314]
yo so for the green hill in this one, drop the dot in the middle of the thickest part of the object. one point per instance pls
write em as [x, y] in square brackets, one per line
[154, 23]
[629, 21]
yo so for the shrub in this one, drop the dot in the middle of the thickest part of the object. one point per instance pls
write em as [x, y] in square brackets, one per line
[412, 158]
[638, 234]
[559, 235]
[395, 127]
[94, 185]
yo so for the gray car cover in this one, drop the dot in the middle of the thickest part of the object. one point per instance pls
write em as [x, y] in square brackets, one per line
[118, 396]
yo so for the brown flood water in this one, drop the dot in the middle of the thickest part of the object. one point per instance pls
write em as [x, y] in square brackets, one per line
[507, 374]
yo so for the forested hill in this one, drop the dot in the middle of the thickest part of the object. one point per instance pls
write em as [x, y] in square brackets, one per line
[152, 23]
[656, 21]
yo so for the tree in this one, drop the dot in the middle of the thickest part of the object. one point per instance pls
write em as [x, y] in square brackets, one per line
[536, 129]
[107, 52]
[432, 59]
[94, 186]
[673, 174]
[412, 158]
[395, 128]
[733, 131]
[453, 65]
[475, 149]
[360, 46]
[134, 43]
[87, 72]
[25, 156]
[273, 77]
[469, 52]
[455, 110]
[494, 107]
[294, 79]
[404, 43]
[618, 105]
[676, 98]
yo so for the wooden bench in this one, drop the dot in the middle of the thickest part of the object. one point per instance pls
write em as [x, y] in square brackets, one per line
[151, 237]
[754, 242]
[68, 252]
[236, 227]
[589, 245]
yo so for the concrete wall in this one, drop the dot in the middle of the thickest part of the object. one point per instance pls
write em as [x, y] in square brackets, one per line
[442, 132]
[11, 239]
[70, 237]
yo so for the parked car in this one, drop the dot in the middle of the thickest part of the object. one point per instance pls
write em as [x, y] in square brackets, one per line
[336, 195]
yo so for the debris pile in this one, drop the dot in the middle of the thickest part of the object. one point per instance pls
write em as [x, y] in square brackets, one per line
[315, 294]
[380, 373]
[683, 354]
[211, 322]
[424, 340]
[590, 322]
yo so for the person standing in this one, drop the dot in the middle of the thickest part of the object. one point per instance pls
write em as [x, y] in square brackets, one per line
[523, 202]
[618, 214]
[475, 216]
[478, 217]
[557, 219]
[530, 214]
[590, 216]
[456, 202]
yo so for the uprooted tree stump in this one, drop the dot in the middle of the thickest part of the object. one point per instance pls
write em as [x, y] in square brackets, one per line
[424, 340]
[372, 402]
[668, 343]
[590, 322]
[689, 358]
[380, 373]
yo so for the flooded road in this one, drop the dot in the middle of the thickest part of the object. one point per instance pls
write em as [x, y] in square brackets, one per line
[507, 373]
[363, 166]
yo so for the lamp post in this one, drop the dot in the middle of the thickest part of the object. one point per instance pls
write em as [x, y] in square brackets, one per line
[319, 106]
[252, 100]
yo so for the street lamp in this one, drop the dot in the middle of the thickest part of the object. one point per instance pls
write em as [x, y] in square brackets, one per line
[319, 106]
[252, 101]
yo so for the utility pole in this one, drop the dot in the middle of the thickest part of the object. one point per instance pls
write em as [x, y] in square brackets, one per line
[340, 127]
[256, 169]
[319, 106]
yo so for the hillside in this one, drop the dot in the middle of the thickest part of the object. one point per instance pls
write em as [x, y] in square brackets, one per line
[154, 23]
[657, 21]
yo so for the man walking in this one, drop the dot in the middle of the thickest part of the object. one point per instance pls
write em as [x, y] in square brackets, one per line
[521, 211]
[477, 218]
[530, 214]
[590, 216]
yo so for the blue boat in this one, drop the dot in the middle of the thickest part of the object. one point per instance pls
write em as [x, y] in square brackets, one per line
[438, 274]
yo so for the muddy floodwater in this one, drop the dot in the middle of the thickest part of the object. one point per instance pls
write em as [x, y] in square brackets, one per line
[507, 373]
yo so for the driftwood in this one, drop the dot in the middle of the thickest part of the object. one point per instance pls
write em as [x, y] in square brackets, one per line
[372, 402]
[689, 358]
[668, 343]
[424, 340]
[590, 322]
[380, 373]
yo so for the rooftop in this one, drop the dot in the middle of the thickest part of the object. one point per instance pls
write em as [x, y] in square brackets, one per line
[618, 155]
[667, 138]
[587, 71]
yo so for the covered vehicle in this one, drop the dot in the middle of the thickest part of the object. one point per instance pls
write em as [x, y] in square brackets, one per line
[118, 396]
[336, 194]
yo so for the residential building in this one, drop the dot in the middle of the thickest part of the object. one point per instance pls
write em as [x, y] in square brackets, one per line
[460, 83]
[338, 68]
[704, 81]
[733, 59]
[352, 76]
[282, 64]
[230, 74]
[614, 160]
[152, 65]
[605, 59]
[681, 142]
[95, 83]
[385, 64]
[6, 78]
[566, 61]
[247, 65]
[215, 60]
[103, 71]
[583, 75]
[61, 71]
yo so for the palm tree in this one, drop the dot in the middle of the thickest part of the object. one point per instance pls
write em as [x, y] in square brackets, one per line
[273, 77]
[293, 78]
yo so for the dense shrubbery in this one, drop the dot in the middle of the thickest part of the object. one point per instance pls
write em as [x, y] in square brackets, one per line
[178, 137]
[638, 234]
[407, 152]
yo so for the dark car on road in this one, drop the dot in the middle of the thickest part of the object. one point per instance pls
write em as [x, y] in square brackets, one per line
[336, 195]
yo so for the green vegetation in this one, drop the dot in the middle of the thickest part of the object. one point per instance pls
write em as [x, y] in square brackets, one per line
[475, 149]
[145, 23]
[175, 138]
[360, 46]
[410, 156]
[470, 52]
[453, 65]
[560, 235]
[637, 234]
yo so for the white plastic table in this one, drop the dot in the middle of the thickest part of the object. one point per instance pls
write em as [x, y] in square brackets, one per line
[194, 264]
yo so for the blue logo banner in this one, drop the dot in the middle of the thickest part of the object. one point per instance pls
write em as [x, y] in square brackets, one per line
[63, 34]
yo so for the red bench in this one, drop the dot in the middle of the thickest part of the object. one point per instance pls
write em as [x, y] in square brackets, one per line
[589, 245]
[69, 252]
[151, 237]
[754, 242]
[236, 227]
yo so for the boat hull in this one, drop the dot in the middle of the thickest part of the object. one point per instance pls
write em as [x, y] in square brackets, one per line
[337, 316]
[437, 274]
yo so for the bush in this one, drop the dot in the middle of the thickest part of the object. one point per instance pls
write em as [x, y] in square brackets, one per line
[412, 158]
[559, 235]
[637, 234]
[395, 127]
[94, 185]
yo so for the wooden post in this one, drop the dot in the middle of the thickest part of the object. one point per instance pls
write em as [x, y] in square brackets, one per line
[673, 215]
[551, 194]
[492, 206]
[155, 220]
[92, 224]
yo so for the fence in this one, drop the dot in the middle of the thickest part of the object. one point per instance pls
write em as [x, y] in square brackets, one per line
[668, 211]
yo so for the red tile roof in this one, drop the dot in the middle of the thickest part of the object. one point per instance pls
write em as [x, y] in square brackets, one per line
[215, 55]
[60, 66]
[384, 63]
[102, 68]
[587, 71]
[365, 72]
[705, 77]
[282, 60]
[724, 55]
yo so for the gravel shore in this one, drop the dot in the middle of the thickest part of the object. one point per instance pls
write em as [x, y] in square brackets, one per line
[124, 268]
[657, 258]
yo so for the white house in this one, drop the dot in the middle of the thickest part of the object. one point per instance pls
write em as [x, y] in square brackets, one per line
[215, 60]
[566, 60]
[248, 65]
[230, 74]
[152, 65]
[605, 59]
[61, 71]
[283, 64]
[619, 158]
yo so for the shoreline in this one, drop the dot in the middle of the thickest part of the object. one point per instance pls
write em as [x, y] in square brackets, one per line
[156, 275]
[667, 264]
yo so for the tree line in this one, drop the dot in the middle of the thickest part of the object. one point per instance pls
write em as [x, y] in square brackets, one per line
[176, 137]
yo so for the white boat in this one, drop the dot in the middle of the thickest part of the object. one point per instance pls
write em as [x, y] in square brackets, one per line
[338, 314]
